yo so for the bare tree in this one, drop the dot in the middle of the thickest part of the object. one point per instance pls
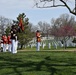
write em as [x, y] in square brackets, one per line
[63, 27]
[44, 27]
[4, 23]
[57, 3]
[33, 28]
[64, 19]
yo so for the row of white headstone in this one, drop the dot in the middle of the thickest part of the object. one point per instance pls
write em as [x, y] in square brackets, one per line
[54, 44]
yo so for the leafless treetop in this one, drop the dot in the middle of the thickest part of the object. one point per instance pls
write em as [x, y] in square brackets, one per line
[69, 4]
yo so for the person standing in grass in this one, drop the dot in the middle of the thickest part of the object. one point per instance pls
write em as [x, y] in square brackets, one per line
[13, 39]
[4, 40]
[38, 40]
[9, 42]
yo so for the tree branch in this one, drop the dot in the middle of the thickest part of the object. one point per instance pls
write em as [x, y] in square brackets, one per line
[50, 6]
[68, 7]
[54, 5]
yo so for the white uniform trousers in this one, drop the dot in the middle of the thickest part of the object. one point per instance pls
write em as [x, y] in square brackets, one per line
[9, 47]
[4, 47]
[38, 46]
[14, 46]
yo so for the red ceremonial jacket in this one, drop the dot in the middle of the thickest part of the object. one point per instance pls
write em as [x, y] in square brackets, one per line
[38, 36]
[9, 39]
[4, 38]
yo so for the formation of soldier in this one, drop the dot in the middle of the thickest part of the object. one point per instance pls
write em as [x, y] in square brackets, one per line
[10, 42]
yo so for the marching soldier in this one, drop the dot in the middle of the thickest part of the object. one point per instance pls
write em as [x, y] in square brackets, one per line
[9, 42]
[13, 39]
[4, 40]
[38, 39]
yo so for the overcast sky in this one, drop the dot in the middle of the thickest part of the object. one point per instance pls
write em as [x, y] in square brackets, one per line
[12, 8]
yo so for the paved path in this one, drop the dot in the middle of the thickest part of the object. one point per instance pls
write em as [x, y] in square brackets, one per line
[64, 50]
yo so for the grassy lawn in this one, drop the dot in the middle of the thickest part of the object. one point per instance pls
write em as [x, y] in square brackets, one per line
[38, 63]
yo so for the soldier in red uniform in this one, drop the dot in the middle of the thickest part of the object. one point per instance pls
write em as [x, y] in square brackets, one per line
[38, 39]
[4, 40]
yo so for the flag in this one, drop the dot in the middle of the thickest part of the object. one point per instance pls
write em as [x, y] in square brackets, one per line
[21, 24]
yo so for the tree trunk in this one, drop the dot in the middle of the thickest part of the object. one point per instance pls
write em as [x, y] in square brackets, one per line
[21, 46]
[65, 46]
